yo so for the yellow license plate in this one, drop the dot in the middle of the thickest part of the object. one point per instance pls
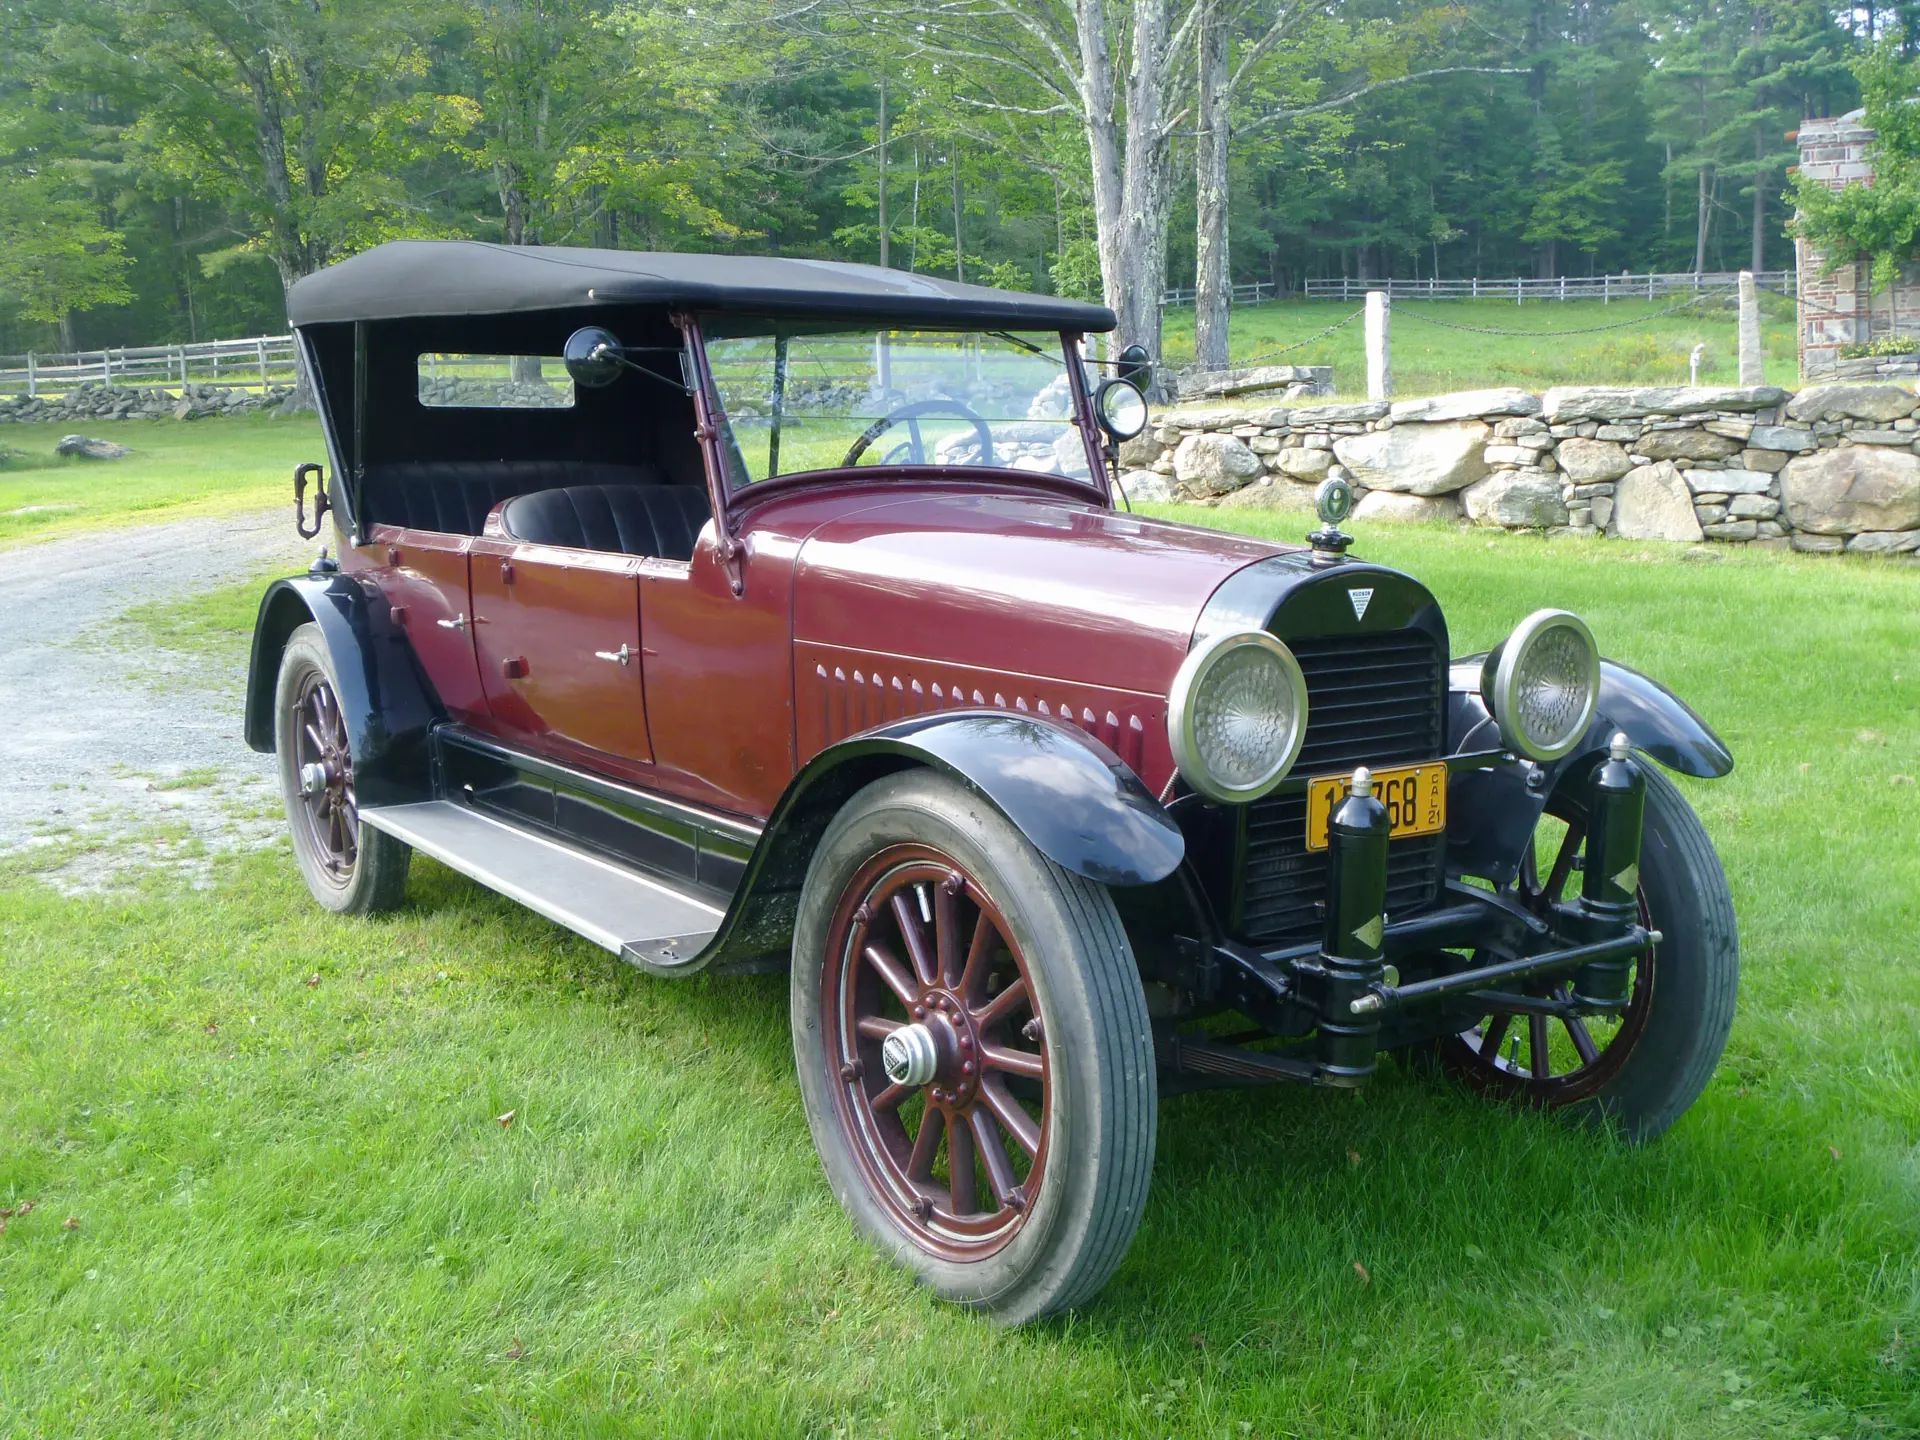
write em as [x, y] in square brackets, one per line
[1415, 797]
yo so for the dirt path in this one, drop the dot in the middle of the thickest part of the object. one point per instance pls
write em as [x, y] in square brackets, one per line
[92, 730]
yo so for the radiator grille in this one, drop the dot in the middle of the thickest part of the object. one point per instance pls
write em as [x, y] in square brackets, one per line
[1373, 700]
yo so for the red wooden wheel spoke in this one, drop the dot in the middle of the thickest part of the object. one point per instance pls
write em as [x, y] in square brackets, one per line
[1539, 1057]
[893, 1097]
[961, 1184]
[1582, 1040]
[946, 933]
[876, 1027]
[907, 914]
[925, 1145]
[993, 1154]
[1014, 1062]
[1008, 1112]
[1495, 1032]
[1563, 862]
[979, 956]
[888, 969]
[997, 1009]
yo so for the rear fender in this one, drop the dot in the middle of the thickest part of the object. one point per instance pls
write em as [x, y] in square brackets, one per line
[1079, 804]
[1493, 811]
[385, 699]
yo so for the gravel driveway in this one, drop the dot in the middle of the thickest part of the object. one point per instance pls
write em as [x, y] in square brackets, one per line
[93, 729]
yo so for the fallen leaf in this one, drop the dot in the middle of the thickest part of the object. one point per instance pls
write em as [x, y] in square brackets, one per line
[25, 1208]
[1903, 779]
[213, 1027]
[1361, 1271]
[1806, 767]
[1869, 737]
[516, 1351]
[1834, 1150]
[72, 1222]
[1199, 1340]
[312, 980]
[507, 1119]
[1353, 1159]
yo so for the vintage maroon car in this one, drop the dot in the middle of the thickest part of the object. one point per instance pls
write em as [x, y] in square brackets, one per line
[745, 613]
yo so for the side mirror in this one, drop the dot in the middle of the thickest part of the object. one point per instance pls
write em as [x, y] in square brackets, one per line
[594, 357]
[1134, 365]
[1120, 408]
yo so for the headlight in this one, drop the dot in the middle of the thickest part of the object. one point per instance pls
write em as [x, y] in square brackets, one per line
[1237, 715]
[1541, 684]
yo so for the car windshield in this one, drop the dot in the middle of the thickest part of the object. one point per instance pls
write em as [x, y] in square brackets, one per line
[796, 398]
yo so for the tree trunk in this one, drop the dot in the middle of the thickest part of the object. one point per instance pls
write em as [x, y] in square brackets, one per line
[1146, 189]
[883, 174]
[959, 251]
[1701, 216]
[1213, 272]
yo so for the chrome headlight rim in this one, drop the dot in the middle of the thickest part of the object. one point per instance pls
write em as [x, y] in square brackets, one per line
[1500, 685]
[1183, 700]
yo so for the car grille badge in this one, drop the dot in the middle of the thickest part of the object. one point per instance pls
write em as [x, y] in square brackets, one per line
[1360, 599]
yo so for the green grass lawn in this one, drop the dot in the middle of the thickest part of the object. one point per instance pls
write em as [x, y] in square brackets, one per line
[455, 1172]
[1429, 359]
[177, 469]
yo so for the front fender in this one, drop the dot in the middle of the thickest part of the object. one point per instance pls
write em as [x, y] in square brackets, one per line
[1495, 810]
[386, 701]
[1078, 802]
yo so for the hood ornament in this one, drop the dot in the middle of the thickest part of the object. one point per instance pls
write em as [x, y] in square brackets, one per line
[1333, 500]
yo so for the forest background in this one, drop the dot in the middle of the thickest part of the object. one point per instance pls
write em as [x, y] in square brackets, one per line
[167, 167]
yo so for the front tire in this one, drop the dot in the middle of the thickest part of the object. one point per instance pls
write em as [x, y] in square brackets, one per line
[350, 868]
[973, 1049]
[1640, 1072]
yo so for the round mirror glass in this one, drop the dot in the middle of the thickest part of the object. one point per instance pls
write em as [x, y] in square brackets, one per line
[593, 357]
[1121, 407]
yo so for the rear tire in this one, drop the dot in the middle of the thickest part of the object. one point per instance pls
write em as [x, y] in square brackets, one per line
[992, 954]
[350, 868]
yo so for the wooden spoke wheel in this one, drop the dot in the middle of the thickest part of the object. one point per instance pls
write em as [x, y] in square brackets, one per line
[1638, 1068]
[929, 1012]
[973, 1049]
[348, 867]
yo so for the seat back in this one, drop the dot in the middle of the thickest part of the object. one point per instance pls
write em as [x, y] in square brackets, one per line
[456, 496]
[655, 520]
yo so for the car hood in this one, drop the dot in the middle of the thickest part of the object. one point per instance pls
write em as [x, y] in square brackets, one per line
[1033, 586]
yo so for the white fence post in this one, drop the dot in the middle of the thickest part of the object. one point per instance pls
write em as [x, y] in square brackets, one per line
[1379, 346]
[1753, 356]
[33, 387]
[260, 350]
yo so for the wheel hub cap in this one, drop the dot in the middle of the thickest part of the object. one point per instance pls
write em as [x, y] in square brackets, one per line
[910, 1055]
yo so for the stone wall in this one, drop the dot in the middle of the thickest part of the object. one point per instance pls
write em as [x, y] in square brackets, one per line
[1831, 468]
[100, 401]
[1841, 309]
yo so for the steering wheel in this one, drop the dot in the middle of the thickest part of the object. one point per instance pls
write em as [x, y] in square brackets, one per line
[911, 414]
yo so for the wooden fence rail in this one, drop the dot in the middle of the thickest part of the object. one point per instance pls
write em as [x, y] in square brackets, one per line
[253, 363]
[1563, 287]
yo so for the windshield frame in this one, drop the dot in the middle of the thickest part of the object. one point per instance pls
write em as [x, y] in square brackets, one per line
[1097, 485]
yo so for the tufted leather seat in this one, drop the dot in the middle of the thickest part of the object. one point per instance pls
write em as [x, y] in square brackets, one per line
[455, 496]
[657, 520]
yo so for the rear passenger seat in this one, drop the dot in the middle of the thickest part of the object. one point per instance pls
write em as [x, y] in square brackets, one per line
[584, 505]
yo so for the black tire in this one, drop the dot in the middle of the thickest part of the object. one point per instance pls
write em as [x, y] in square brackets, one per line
[1675, 1027]
[350, 868]
[1096, 1106]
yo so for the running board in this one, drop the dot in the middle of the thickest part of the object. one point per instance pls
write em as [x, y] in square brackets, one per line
[644, 921]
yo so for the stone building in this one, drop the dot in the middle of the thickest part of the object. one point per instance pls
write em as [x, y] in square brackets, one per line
[1840, 309]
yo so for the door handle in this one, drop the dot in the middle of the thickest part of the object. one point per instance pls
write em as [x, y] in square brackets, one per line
[622, 656]
[459, 622]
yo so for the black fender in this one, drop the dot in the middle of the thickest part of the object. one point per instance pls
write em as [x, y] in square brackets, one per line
[1078, 802]
[1492, 812]
[387, 701]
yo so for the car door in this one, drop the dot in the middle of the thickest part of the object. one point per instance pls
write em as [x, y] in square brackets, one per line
[557, 633]
[422, 574]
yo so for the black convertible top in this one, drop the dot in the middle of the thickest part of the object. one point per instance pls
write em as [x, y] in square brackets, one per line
[407, 278]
